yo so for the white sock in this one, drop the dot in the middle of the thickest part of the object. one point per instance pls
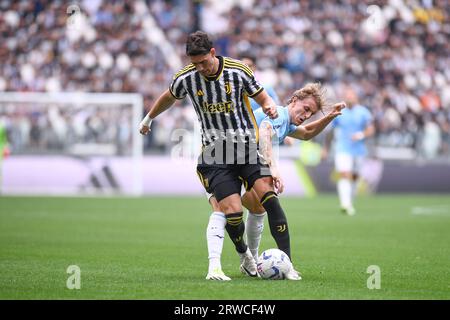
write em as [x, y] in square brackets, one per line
[344, 187]
[243, 255]
[254, 228]
[215, 233]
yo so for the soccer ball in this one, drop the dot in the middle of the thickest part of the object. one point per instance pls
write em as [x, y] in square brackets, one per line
[273, 264]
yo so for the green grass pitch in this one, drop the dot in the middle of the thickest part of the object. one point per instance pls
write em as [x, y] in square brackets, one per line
[155, 248]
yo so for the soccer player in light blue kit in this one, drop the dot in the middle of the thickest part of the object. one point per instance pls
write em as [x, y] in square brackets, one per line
[304, 103]
[249, 59]
[350, 132]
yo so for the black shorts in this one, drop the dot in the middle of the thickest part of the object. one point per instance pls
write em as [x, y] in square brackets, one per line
[223, 180]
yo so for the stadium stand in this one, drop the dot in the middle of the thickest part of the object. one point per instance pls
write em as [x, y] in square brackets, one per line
[394, 53]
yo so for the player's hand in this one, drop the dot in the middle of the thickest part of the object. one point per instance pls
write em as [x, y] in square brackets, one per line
[337, 109]
[144, 130]
[144, 126]
[277, 181]
[358, 136]
[271, 111]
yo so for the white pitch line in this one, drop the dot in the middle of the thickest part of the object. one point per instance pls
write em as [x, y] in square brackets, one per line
[440, 210]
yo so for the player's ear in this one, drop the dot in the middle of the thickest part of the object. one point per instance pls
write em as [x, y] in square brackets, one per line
[294, 99]
[212, 52]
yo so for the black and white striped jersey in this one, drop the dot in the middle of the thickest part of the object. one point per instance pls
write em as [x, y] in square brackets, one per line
[221, 102]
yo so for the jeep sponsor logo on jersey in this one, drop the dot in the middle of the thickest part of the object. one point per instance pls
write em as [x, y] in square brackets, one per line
[221, 107]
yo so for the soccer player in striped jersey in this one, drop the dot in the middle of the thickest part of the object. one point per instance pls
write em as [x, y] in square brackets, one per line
[304, 103]
[219, 89]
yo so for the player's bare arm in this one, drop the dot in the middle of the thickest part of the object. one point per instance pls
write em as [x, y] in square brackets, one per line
[268, 105]
[265, 136]
[164, 102]
[312, 129]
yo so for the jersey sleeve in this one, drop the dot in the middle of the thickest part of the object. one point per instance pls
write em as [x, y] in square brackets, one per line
[177, 88]
[291, 129]
[251, 86]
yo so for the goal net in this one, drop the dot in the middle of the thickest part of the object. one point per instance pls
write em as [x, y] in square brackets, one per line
[72, 143]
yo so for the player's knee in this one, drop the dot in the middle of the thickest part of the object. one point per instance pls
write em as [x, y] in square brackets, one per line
[214, 204]
[263, 185]
[231, 204]
[230, 207]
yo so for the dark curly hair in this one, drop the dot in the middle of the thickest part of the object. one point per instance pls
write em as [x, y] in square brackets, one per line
[198, 43]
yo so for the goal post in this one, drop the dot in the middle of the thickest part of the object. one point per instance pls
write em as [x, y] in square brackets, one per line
[113, 107]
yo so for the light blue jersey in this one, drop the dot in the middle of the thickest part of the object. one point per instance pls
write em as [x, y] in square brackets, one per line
[351, 121]
[271, 92]
[281, 126]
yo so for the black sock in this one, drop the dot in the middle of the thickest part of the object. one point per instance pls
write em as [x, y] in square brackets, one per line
[277, 221]
[235, 228]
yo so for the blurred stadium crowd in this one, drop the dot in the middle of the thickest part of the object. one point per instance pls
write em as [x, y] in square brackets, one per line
[394, 53]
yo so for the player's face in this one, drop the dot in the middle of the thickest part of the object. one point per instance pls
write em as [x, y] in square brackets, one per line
[303, 110]
[205, 63]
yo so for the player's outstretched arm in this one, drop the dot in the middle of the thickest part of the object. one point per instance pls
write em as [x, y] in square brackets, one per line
[164, 102]
[265, 138]
[312, 129]
[267, 104]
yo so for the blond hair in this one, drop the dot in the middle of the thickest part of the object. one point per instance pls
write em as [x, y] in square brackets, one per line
[313, 90]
